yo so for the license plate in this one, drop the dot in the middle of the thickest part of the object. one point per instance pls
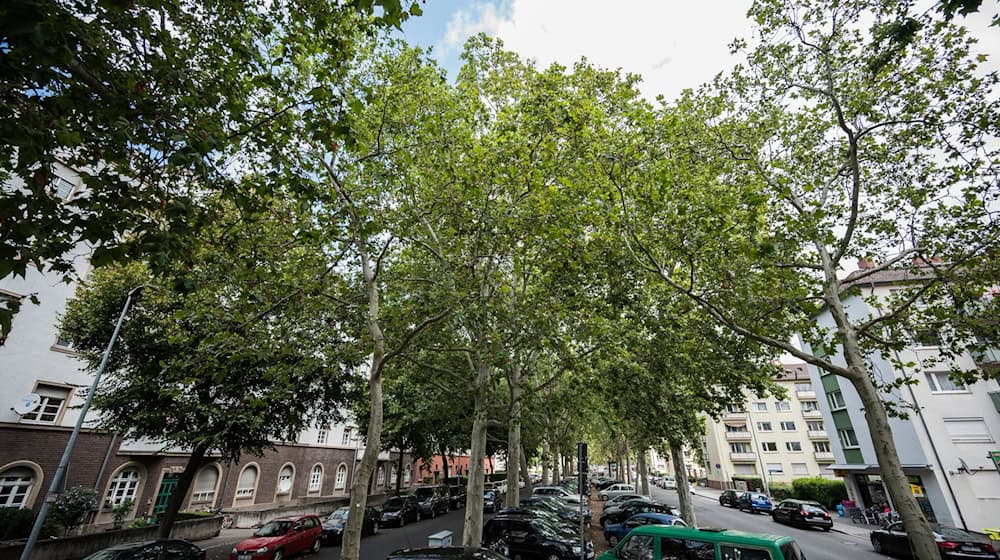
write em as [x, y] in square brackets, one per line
[969, 549]
[244, 556]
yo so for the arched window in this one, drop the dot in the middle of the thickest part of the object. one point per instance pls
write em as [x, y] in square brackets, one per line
[381, 476]
[247, 484]
[316, 478]
[285, 479]
[122, 487]
[406, 475]
[15, 487]
[341, 481]
[393, 475]
[204, 484]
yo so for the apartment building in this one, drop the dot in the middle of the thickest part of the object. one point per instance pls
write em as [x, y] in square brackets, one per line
[774, 439]
[945, 445]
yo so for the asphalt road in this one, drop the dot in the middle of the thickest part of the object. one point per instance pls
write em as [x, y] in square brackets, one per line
[816, 544]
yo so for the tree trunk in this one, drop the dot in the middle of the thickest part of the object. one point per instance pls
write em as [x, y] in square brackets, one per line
[525, 475]
[444, 464]
[628, 465]
[545, 462]
[683, 488]
[472, 534]
[351, 546]
[399, 471]
[514, 435]
[556, 459]
[167, 518]
[643, 475]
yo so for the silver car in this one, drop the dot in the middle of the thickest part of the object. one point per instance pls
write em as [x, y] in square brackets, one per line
[616, 490]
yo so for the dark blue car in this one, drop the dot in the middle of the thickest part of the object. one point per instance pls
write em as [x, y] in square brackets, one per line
[754, 502]
[617, 531]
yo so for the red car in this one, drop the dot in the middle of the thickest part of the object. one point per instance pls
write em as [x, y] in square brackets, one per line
[280, 538]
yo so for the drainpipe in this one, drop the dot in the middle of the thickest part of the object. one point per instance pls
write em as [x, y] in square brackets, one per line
[104, 464]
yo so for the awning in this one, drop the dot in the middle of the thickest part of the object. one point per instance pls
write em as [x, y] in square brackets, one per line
[862, 468]
[850, 467]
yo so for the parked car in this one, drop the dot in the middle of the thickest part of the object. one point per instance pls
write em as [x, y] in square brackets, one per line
[399, 510]
[615, 490]
[690, 542]
[729, 498]
[669, 483]
[167, 549]
[753, 502]
[445, 553]
[628, 509]
[541, 513]
[566, 511]
[456, 496]
[566, 531]
[528, 538]
[431, 500]
[336, 522]
[618, 500]
[608, 482]
[557, 492]
[492, 500]
[617, 531]
[802, 513]
[281, 538]
[953, 543]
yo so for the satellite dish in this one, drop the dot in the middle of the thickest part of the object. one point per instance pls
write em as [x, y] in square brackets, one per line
[27, 403]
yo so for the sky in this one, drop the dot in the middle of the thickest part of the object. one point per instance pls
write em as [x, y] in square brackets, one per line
[672, 44]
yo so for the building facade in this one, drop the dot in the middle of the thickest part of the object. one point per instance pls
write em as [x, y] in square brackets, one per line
[775, 440]
[945, 443]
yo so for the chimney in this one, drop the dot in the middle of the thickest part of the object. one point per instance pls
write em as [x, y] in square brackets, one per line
[865, 264]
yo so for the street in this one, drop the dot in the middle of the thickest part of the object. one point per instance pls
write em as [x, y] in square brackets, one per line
[816, 544]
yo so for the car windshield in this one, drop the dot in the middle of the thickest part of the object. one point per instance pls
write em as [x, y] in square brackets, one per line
[273, 529]
[546, 530]
[488, 494]
[424, 493]
[791, 551]
[393, 503]
[760, 497]
[339, 515]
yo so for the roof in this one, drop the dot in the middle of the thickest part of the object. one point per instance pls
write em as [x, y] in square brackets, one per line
[888, 276]
[712, 535]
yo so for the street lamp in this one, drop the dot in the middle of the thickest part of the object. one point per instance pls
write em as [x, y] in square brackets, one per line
[59, 479]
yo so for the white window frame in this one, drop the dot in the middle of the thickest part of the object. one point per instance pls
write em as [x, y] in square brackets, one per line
[839, 397]
[809, 406]
[20, 488]
[340, 482]
[321, 436]
[122, 487]
[316, 478]
[58, 180]
[934, 382]
[393, 475]
[761, 428]
[789, 446]
[282, 476]
[380, 477]
[842, 434]
[407, 475]
[345, 439]
[802, 471]
[815, 426]
[203, 496]
[818, 444]
[40, 414]
[803, 386]
[759, 406]
[771, 469]
[743, 447]
[784, 428]
[987, 437]
[765, 444]
[783, 406]
[243, 492]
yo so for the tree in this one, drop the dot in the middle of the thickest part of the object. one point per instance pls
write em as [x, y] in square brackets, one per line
[749, 198]
[73, 506]
[147, 101]
[241, 350]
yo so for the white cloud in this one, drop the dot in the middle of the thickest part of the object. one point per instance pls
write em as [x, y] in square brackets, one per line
[480, 18]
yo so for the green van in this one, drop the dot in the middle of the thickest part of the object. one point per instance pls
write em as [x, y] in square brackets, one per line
[660, 542]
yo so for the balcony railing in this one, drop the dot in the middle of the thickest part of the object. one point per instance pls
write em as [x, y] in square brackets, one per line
[738, 436]
[818, 434]
[730, 416]
[743, 457]
[988, 358]
[824, 456]
[812, 414]
[806, 395]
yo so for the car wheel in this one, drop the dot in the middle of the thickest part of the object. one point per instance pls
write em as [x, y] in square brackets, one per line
[316, 546]
[877, 545]
[612, 541]
[826, 529]
[604, 497]
[278, 554]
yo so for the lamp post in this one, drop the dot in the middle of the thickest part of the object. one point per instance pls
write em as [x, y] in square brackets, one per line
[59, 479]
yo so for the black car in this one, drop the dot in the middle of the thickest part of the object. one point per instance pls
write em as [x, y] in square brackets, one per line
[167, 549]
[954, 544]
[729, 498]
[399, 510]
[335, 524]
[565, 511]
[530, 538]
[432, 500]
[803, 514]
[628, 509]
[492, 500]
[541, 513]
[608, 483]
[456, 496]
[446, 553]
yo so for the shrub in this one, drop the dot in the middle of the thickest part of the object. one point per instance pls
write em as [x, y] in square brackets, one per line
[823, 490]
[72, 507]
[120, 512]
[781, 490]
[182, 515]
[139, 522]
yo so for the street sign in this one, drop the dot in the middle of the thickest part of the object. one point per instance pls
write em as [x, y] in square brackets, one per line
[27, 403]
[583, 467]
[917, 490]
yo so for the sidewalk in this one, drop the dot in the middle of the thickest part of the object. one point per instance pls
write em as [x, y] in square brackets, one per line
[226, 537]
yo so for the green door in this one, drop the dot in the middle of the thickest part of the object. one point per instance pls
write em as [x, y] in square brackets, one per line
[167, 486]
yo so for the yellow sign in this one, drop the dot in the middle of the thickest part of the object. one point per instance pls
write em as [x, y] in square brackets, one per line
[917, 490]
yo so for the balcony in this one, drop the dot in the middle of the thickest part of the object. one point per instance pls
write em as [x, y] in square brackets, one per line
[735, 417]
[742, 457]
[818, 434]
[824, 457]
[812, 413]
[738, 436]
[806, 395]
[988, 358]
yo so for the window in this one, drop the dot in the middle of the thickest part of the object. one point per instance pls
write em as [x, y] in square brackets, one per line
[809, 406]
[316, 478]
[380, 481]
[341, 481]
[794, 446]
[800, 468]
[346, 439]
[783, 406]
[930, 335]
[740, 448]
[247, 483]
[759, 406]
[848, 438]
[51, 405]
[685, 549]
[764, 427]
[15, 487]
[836, 399]
[204, 485]
[730, 552]
[788, 426]
[62, 187]
[285, 479]
[941, 383]
[803, 387]
[739, 429]
[122, 488]
[775, 468]
[406, 475]
[821, 446]
[815, 426]
[639, 547]
[769, 446]
[967, 430]
[744, 469]
[734, 408]
[393, 475]
[321, 436]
